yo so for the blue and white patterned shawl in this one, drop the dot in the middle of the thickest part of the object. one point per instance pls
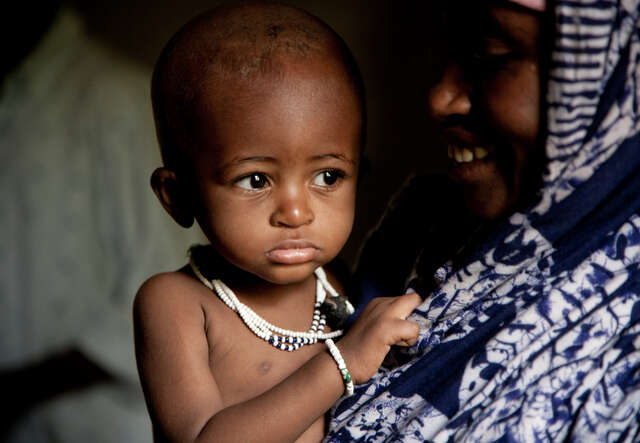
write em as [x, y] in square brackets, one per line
[537, 336]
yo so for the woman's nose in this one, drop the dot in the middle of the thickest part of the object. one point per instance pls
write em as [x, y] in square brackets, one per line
[450, 95]
[292, 209]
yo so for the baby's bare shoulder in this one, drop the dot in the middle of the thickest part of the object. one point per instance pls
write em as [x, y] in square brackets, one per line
[169, 295]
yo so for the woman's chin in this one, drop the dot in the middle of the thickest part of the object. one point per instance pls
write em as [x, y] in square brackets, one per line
[474, 172]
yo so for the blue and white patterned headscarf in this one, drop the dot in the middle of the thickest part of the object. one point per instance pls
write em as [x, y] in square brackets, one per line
[537, 336]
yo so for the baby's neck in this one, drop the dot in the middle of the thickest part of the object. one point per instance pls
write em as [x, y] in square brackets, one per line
[258, 293]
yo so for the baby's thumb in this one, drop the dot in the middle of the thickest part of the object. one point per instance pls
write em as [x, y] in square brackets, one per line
[405, 333]
[405, 304]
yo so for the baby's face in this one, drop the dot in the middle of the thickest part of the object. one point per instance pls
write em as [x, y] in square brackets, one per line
[277, 169]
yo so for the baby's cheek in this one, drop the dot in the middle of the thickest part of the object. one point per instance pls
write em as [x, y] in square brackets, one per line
[340, 229]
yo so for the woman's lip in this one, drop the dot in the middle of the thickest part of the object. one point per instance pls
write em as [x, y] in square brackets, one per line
[471, 156]
[460, 136]
[292, 252]
[476, 171]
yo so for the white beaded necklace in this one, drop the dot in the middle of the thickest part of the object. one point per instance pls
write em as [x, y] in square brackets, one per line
[283, 339]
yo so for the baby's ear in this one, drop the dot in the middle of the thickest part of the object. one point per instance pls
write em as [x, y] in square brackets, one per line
[173, 196]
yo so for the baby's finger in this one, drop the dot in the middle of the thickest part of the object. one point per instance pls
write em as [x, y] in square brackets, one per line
[405, 332]
[405, 304]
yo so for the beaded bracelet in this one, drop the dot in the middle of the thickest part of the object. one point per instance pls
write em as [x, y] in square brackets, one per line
[346, 377]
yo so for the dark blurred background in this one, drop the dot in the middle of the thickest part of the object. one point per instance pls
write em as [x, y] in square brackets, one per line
[81, 229]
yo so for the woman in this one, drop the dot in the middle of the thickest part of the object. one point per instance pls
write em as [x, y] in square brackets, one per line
[530, 264]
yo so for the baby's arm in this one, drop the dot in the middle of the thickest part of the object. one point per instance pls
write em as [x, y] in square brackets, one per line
[184, 400]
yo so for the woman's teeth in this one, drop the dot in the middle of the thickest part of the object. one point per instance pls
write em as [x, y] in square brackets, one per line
[465, 155]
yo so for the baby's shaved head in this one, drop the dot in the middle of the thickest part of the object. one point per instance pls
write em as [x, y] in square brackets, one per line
[230, 44]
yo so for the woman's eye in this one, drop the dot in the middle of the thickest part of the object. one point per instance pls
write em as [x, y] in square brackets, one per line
[253, 182]
[491, 57]
[328, 177]
[491, 54]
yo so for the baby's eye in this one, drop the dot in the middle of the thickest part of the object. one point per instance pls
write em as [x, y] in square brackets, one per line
[253, 182]
[328, 178]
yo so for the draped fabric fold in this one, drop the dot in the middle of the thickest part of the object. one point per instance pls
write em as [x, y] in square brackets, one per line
[536, 336]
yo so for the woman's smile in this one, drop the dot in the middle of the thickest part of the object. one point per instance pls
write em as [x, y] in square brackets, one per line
[469, 165]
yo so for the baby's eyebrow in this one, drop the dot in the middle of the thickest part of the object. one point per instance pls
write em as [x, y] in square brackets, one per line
[240, 160]
[256, 158]
[336, 156]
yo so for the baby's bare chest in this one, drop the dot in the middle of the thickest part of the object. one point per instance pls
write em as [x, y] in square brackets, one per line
[244, 365]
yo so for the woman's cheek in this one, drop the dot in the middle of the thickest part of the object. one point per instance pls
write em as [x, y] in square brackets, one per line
[512, 104]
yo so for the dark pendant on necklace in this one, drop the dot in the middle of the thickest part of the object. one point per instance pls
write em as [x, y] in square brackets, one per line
[337, 310]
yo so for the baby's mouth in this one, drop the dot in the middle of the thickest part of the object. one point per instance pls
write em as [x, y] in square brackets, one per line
[293, 252]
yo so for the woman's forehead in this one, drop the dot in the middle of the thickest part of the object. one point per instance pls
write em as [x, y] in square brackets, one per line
[517, 26]
[537, 5]
[466, 24]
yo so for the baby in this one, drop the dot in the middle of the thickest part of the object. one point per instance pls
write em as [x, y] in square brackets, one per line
[260, 117]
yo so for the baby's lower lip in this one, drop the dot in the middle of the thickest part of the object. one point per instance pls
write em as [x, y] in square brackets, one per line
[292, 256]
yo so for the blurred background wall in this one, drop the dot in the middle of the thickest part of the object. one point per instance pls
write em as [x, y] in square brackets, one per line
[81, 229]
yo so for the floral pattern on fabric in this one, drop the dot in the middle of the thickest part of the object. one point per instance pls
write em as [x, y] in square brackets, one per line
[537, 336]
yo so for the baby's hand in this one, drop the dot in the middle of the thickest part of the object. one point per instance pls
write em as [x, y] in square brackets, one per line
[381, 324]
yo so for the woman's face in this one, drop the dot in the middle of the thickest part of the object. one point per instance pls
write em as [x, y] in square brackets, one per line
[487, 105]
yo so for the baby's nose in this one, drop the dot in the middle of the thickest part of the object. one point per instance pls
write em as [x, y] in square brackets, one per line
[292, 210]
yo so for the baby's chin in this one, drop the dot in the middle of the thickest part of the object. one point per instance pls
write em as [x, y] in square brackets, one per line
[290, 274]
